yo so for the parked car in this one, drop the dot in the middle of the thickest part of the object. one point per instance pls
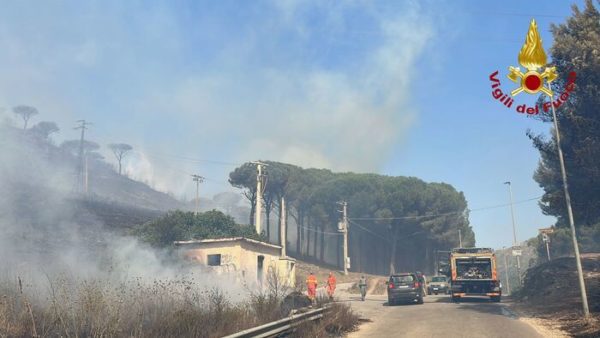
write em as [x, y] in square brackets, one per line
[438, 284]
[404, 287]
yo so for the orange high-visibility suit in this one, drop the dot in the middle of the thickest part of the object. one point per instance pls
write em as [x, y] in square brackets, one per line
[311, 286]
[331, 285]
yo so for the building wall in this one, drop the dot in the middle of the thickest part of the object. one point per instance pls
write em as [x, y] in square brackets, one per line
[230, 255]
[241, 258]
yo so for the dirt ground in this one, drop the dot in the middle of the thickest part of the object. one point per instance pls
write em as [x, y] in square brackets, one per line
[303, 269]
[551, 295]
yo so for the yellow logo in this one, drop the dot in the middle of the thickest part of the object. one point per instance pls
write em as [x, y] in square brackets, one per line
[532, 57]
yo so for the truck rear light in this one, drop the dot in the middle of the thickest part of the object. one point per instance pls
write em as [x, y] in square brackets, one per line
[416, 284]
[391, 285]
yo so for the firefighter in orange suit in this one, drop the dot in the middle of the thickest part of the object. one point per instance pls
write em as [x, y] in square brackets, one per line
[331, 285]
[311, 286]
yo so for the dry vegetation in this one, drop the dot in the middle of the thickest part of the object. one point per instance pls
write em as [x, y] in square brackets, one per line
[551, 294]
[94, 308]
[98, 308]
[338, 320]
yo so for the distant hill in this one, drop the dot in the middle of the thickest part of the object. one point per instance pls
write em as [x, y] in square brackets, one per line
[107, 185]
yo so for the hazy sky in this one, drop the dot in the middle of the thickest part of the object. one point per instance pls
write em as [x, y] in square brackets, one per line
[199, 86]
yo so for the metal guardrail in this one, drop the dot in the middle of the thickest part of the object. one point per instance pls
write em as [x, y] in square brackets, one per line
[278, 327]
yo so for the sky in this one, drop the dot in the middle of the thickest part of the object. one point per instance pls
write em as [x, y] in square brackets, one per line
[392, 87]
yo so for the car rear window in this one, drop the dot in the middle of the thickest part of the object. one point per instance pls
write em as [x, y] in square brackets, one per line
[438, 279]
[402, 279]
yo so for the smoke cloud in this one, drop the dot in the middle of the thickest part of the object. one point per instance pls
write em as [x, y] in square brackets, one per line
[311, 83]
[46, 233]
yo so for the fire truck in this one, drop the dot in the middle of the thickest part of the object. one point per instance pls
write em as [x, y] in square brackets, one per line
[473, 273]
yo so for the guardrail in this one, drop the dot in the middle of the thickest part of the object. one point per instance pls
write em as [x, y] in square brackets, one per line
[278, 327]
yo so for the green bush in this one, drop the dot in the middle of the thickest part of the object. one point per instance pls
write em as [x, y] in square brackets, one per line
[182, 225]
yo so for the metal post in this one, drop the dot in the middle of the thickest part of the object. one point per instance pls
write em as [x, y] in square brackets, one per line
[85, 189]
[83, 125]
[514, 228]
[548, 250]
[345, 205]
[459, 239]
[198, 179]
[506, 271]
[586, 309]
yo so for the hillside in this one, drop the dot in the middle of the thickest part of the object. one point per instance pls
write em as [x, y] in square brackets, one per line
[551, 291]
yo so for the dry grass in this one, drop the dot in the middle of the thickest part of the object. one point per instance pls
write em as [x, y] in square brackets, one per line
[95, 308]
[100, 308]
[338, 320]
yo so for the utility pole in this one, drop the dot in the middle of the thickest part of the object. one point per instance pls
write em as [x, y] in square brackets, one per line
[260, 188]
[198, 179]
[282, 230]
[85, 187]
[512, 215]
[506, 271]
[563, 170]
[81, 168]
[343, 227]
[459, 239]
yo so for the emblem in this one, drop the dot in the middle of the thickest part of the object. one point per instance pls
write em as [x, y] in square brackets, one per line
[532, 57]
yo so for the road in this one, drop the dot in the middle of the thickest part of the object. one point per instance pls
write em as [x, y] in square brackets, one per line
[438, 317]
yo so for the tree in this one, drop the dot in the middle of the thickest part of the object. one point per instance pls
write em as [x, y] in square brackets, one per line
[185, 225]
[25, 112]
[244, 177]
[398, 222]
[120, 150]
[44, 129]
[576, 50]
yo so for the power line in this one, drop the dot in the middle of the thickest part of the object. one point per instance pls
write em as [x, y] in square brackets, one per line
[367, 230]
[405, 217]
[318, 231]
[443, 214]
[189, 159]
[163, 155]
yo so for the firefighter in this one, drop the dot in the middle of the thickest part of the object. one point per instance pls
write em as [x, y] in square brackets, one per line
[331, 285]
[311, 286]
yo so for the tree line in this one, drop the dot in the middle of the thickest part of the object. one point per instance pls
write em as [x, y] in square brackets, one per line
[396, 223]
[575, 49]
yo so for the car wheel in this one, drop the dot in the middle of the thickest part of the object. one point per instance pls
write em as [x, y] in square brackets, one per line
[390, 302]
[420, 300]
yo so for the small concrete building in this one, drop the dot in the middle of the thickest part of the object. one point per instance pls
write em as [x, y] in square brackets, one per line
[250, 260]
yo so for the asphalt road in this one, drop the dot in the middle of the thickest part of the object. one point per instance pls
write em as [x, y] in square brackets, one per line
[438, 317]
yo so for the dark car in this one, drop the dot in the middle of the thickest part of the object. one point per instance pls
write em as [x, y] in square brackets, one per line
[404, 287]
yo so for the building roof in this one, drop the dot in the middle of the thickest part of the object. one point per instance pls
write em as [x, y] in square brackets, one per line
[225, 240]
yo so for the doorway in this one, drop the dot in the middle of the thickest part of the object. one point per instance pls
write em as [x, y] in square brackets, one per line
[259, 269]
